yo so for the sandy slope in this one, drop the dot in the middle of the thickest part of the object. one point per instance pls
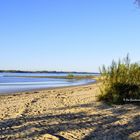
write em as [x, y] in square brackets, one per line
[69, 113]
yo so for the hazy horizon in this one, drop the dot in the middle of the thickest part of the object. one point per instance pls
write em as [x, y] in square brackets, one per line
[67, 35]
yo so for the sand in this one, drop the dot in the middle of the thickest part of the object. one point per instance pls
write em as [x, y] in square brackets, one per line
[71, 113]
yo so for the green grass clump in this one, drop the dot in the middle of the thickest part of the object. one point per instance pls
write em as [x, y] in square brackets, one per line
[120, 81]
[70, 76]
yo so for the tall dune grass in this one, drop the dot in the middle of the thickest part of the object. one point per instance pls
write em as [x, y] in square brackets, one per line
[121, 81]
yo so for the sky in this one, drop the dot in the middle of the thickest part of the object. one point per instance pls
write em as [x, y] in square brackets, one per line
[67, 35]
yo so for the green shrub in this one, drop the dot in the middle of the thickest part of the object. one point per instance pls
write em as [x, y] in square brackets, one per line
[121, 81]
[70, 76]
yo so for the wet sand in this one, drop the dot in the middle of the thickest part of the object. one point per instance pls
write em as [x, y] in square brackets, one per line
[71, 113]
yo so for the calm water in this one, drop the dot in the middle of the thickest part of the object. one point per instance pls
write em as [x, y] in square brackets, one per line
[17, 84]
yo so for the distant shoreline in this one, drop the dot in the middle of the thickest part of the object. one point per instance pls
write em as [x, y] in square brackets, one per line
[22, 71]
[56, 77]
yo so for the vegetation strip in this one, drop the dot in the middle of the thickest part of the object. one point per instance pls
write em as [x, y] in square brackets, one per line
[57, 77]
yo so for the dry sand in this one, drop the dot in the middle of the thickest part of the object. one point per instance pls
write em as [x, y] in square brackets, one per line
[67, 113]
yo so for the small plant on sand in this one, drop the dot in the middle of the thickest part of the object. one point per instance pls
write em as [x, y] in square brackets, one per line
[70, 76]
[120, 81]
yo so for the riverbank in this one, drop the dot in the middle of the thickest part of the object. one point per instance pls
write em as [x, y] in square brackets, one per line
[14, 83]
[58, 77]
[66, 113]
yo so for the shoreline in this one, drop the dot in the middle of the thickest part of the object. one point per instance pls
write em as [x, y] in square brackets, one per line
[68, 113]
[50, 88]
[75, 77]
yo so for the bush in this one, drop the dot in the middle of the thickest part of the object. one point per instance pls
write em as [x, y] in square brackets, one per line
[70, 76]
[121, 81]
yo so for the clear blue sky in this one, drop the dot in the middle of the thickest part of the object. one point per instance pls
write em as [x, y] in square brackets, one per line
[69, 35]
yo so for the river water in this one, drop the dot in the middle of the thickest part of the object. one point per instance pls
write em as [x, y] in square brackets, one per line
[10, 83]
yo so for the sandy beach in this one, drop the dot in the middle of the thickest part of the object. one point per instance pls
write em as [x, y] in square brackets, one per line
[71, 113]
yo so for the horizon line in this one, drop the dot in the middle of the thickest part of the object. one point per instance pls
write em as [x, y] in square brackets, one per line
[46, 71]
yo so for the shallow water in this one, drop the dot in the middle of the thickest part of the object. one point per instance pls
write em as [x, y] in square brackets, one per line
[18, 84]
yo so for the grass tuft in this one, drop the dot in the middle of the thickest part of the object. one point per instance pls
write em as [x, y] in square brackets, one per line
[121, 81]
